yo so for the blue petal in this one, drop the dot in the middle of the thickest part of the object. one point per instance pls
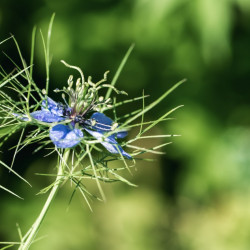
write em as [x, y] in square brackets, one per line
[54, 107]
[49, 104]
[121, 134]
[103, 124]
[65, 137]
[46, 116]
[109, 143]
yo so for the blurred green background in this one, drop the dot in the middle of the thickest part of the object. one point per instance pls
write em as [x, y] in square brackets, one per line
[197, 196]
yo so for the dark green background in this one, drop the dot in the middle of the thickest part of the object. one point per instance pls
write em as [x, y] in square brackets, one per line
[197, 196]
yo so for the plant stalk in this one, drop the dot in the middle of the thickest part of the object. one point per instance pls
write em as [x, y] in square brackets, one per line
[36, 226]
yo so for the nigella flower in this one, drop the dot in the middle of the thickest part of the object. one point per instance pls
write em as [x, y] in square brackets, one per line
[68, 136]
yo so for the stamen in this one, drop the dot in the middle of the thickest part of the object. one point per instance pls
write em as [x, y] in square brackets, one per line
[114, 126]
[101, 98]
[93, 122]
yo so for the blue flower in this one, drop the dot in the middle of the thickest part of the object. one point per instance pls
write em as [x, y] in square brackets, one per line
[68, 136]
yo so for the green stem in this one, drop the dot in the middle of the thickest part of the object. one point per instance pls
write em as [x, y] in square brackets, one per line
[36, 226]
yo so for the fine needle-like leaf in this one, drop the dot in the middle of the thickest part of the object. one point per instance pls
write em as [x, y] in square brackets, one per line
[16, 150]
[82, 190]
[153, 104]
[148, 137]
[11, 170]
[47, 52]
[124, 162]
[119, 177]
[29, 75]
[6, 39]
[94, 170]
[33, 37]
[24, 65]
[6, 189]
[141, 149]
[9, 244]
[119, 70]
[114, 105]
[142, 116]
[160, 119]
[19, 231]
[14, 76]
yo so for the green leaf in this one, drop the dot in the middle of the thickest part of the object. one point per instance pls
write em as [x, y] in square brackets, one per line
[6, 189]
[119, 70]
[11, 170]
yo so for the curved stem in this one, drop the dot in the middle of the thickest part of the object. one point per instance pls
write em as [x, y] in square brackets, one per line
[36, 226]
